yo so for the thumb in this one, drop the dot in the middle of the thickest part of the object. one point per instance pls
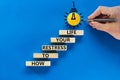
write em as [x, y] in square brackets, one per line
[99, 26]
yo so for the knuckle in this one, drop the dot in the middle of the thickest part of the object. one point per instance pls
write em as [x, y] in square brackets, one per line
[99, 7]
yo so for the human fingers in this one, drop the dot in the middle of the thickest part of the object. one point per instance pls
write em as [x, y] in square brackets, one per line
[99, 26]
[100, 10]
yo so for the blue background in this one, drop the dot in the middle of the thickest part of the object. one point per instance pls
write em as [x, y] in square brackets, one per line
[26, 25]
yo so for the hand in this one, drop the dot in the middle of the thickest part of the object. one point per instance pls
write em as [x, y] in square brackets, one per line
[112, 28]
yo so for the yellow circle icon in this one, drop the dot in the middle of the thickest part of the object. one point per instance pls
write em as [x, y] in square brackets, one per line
[73, 19]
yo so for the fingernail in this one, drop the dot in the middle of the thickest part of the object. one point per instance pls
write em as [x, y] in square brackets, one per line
[88, 17]
[91, 23]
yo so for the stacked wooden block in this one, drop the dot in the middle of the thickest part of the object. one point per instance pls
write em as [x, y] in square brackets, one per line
[68, 36]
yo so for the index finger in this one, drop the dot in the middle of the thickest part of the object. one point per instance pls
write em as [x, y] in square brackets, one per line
[100, 10]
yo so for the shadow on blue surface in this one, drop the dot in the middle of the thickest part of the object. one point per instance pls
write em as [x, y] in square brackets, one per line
[38, 70]
[107, 41]
[70, 47]
[62, 54]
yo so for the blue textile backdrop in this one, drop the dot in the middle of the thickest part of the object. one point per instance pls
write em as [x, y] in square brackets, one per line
[26, 25]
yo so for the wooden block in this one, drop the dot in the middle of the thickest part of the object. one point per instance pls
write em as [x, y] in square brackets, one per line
[54, 47]
[63, 40]
[38, 63]
[71, 32]
[45, 55]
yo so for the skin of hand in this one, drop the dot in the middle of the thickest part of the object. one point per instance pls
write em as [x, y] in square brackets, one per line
[112, 28]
